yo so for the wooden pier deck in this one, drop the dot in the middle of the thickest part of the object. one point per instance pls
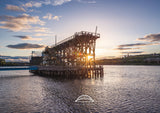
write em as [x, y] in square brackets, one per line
[69, 71]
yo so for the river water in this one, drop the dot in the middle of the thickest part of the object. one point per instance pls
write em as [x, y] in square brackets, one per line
[122, 89]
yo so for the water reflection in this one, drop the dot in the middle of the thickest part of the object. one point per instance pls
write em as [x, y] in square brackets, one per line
[90, 74]
[20, 92]
[121, 89]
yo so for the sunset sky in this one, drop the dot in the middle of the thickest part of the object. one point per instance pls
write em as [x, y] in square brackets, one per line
[125, 26]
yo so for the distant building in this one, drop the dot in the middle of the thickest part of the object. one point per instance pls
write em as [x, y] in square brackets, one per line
[152, 60]
[36, 60]
[2, 61]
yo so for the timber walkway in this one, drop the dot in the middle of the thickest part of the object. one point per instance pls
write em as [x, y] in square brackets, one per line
[69, 71]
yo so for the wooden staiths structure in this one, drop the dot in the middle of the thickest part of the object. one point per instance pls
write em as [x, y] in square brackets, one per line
[71, 57]
[77, 50]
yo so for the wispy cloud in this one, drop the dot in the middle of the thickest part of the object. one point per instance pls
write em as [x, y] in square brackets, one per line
[15, 58]
[40, 29]
[54, 2]
[150, 38]
[42, 34]
[49, 16]
[32, 4]
[121, 48]
[59, 2]
[133, 52]
[37, 4]
[57, 18]
[132, 45]
[20, 23]
[29, 4]
[138, 44]
[28, 38]
[26, 46]
[15, 8]
[87, 1]
[45, 2]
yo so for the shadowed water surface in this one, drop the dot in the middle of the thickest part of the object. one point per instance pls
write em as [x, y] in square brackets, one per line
[122, 89]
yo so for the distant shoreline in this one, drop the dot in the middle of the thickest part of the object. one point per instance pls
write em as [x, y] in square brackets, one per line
[131, 64]
[148, 59]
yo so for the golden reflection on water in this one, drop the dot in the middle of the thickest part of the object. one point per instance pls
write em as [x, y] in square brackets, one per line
[122, 89]
[92, 81]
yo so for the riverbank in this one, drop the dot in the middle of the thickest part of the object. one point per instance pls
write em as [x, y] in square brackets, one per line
[148, 59]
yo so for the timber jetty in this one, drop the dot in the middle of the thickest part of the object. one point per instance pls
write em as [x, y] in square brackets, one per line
[72, 57]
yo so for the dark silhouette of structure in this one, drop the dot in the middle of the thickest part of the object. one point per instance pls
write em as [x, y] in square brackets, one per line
[73, 56]
[76, 50]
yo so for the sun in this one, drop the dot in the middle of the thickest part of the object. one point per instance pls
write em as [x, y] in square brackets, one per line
[89, 57]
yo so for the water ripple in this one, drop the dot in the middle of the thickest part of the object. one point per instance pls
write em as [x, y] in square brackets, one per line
[123, 89]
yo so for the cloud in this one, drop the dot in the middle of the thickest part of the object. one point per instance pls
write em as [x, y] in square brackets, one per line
[134, 46]
[32, 4]
[57, 18]
[29, 4]
[28, 38]
[15, 58]
[49, 16]
[91, 2]
[133, 52]
[26, 46]
[59, 2]
[45, 2]
[42, 34]
[20, 23]
[150, 38]
[87, 1]
[40, 29]
[121, 48]
[14, 8]
[37, 4]
[137, 44]
[131, 45]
